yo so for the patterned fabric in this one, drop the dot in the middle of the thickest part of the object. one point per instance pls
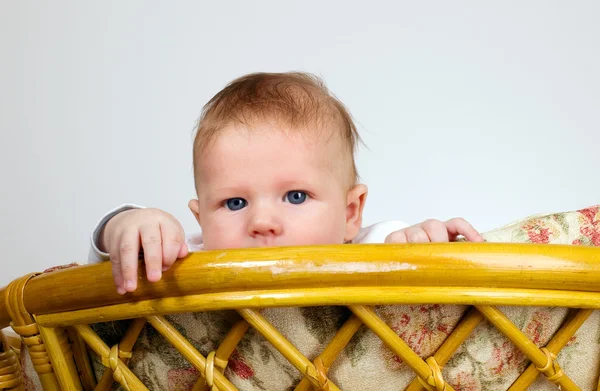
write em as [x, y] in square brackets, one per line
[485, 361]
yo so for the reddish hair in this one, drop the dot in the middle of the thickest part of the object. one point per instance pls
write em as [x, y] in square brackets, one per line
[296, 100]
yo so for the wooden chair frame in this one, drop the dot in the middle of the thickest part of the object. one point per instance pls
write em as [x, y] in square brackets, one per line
[52, 312]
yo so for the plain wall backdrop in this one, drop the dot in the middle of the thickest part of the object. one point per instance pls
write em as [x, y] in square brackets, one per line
[486, 110]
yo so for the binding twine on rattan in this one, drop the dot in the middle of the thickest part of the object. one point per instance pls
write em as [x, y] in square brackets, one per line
[209, 371]
[435, 382]
[112, 362]
[10, 370]
[318, 372]
[23, 324]
[551, 370]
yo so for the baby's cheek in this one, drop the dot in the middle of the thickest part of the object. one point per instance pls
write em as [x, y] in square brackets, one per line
[221, 236]
[326, 233]
[230, 240]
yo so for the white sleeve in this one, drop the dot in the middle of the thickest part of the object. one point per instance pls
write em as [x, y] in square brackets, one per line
[194, 242]
[95, 255]
[377, 233]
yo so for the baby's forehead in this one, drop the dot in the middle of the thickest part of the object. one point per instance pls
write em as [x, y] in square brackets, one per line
[311, 134]
[266, 143]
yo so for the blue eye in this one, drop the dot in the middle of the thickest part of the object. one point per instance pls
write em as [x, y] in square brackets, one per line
[296, 197]
[236, 203]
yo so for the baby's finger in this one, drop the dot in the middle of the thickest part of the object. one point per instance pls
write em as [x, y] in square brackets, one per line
[117, 276]
[397, 237]
[458, 226]
[416, 234]
[183, 250]
[116, 267]
[173, 237]
[151, 239]
[182, 253]
[129, 249]
[435, 230]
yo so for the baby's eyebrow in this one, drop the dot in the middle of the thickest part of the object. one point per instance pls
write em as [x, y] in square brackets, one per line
[221, 194]
[295, 183]
[226, 190]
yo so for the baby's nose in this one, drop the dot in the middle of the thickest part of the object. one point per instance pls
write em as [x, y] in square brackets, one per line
[264, 222]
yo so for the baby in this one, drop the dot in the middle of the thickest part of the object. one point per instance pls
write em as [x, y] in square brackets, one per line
[273, 166]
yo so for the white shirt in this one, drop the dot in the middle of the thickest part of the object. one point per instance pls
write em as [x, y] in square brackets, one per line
[375, 233]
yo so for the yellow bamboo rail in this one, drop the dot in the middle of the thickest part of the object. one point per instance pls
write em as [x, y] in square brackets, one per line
[520, 266]
[61, 357]
[290, 352]
[429, 372]
[11, 377]
[452, 343]
[110, 359]
[480, 274]
[188, 351]
[124, 349]
[333, 349]
[303, 297]
[82, 361]
[560, 339]
[230, 342]
[543, 359]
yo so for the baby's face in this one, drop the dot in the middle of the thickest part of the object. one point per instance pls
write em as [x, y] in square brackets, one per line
[264, 188]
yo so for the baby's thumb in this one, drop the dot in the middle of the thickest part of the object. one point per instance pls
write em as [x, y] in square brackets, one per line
[183, 251]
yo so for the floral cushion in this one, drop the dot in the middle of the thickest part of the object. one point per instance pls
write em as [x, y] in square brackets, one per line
[485, 361]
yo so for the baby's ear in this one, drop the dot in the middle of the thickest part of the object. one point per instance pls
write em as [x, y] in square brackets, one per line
[194, 206]
[357, 196]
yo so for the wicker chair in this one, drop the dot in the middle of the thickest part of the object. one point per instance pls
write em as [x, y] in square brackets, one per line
[52, 312]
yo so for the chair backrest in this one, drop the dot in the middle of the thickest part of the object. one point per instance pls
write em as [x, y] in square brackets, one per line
[52, 312]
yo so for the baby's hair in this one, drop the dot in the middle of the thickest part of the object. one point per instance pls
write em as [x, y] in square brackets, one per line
[292, 100]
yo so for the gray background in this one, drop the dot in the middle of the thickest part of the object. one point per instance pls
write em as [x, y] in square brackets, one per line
[486, 110]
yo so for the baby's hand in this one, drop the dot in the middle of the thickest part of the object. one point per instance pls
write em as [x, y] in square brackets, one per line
[435, 231]
[159, 235]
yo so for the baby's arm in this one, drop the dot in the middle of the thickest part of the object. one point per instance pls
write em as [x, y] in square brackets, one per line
[96, 255]
[435, 231]
[126, 231]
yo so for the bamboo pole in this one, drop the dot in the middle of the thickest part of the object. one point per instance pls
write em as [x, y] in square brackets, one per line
[520, 266]
[110, 359]
[542, 361]
[61, 356]
[305, 297]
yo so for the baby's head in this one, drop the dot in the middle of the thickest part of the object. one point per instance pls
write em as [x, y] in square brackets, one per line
[274, 165]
